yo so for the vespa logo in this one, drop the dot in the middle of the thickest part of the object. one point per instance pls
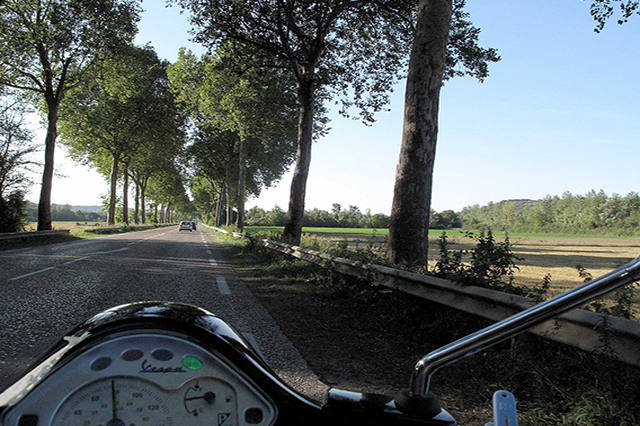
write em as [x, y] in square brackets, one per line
[148, 368]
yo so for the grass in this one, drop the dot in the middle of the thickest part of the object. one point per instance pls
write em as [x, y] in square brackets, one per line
[77, 230]
[365, 338]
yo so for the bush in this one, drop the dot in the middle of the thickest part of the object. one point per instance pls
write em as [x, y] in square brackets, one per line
[12, 212]
[491, 265]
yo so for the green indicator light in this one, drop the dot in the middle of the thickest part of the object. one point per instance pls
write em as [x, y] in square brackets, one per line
[192, 363]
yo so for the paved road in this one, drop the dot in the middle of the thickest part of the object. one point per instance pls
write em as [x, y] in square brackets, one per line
[49, 289]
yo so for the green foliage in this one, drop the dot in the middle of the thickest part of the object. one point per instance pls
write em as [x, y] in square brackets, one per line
[244, 122]
[15, 146]
[12, 212]
[592, 213]
[126, 120]
[620, 303]
[603, 10]
[63, 212]
[489, 264]
[46, 47]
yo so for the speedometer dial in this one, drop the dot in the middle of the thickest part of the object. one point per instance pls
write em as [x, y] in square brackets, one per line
[119, 401]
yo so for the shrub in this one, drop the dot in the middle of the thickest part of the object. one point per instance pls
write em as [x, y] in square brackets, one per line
[12, 212]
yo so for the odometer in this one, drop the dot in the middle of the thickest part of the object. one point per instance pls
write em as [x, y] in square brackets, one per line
[119, 401]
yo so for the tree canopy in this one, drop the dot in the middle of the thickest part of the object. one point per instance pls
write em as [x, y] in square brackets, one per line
[125, 122]
[244, 121]
[46, 47]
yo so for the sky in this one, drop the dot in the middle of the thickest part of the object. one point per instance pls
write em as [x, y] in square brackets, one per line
[560, 112]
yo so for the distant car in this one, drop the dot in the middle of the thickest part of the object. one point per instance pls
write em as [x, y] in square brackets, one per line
[184, 225]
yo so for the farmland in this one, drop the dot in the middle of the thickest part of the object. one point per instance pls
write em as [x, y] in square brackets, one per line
[554, 254]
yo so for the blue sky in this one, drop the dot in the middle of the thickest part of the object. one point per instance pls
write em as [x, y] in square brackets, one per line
[560, 112]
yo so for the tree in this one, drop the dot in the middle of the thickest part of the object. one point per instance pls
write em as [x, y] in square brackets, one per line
[443, 38]
[603, 10]
[45, 48]
[354, 49]
[247, 114]
[15, 146]
[126, 110]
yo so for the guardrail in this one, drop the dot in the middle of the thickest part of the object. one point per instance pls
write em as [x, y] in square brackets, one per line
[586, 330]
[7, 236]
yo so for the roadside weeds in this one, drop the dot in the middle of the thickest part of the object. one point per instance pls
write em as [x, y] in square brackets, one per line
[364, 337]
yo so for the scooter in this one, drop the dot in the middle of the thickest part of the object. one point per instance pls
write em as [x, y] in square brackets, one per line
[171, 364]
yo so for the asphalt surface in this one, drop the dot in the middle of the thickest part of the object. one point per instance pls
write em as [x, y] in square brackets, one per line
[47, 290]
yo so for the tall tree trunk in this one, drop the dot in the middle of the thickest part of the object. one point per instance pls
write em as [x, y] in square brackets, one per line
[242, 177]
[220, 209]
[293, 228]
[136, 208]
[143, 207]
[111, 214]
[409, 222]
[228, 220]
[125, 196]
[44, 205]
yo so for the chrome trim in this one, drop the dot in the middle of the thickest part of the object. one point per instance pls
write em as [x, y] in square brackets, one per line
[518, 323]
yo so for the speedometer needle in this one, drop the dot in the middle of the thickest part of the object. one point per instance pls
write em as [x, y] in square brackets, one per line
[115, 421]
[209, 397]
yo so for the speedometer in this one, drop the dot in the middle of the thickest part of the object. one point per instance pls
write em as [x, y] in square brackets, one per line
[118, 401]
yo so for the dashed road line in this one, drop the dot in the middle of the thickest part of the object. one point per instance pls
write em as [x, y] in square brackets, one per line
[32, 273]
[213, 262]
[223, 287]
[76, 260]
[108, 251]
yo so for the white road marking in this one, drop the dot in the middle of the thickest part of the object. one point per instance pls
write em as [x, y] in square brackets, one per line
[223, 287]
[213, 262]
[254, 343]
[108, 251]
[32, 273]
[76, 260]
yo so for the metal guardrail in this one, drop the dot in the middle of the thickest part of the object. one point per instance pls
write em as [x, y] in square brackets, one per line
[7, 236]
[578, 328]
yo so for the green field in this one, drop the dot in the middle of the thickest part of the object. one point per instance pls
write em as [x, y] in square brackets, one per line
[79, 229]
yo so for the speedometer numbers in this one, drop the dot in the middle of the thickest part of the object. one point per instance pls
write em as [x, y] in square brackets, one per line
[211, 399]
[115, 402]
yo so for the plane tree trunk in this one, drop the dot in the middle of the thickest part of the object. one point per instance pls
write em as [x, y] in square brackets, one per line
[111, 214]
[136, 208]
[125, 196]
[293, 228]
[44, 204]
[143, 189]
[242, 177]
[410, 210]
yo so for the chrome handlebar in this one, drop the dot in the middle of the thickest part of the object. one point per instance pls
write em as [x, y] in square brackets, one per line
[518, 323]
